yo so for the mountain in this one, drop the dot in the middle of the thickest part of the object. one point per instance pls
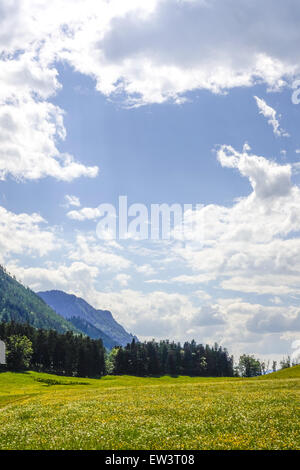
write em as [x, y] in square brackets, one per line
[58, 311]
[74, 308]
[91, 331]
[22, 305]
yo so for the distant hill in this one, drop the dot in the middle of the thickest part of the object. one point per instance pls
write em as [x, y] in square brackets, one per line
[288, 373]
[75, 309]
[22, 305]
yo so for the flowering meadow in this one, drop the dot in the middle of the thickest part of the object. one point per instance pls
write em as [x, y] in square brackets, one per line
[40, 411]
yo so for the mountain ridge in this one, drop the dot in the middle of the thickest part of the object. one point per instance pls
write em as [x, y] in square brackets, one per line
[70, 306]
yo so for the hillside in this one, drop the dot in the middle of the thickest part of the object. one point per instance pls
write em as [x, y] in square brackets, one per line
[288, 373]
[91, 331]
[22, 305]
[70, 306]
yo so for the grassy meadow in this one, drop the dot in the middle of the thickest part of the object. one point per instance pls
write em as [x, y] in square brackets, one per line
[40, 411]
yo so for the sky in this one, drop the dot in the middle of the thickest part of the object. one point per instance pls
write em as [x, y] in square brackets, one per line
[165, 102]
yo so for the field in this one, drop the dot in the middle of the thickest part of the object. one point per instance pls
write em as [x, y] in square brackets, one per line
[40, 411]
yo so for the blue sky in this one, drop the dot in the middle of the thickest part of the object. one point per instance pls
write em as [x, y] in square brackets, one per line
[108, 100]
[145, 152]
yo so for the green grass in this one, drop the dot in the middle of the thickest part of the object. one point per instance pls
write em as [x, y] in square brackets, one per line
[40, 411]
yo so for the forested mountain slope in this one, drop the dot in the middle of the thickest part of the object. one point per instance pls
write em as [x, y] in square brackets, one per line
[22, 305]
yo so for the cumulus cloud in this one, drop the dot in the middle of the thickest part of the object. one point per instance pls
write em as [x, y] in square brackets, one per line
[28, 150]
[75, 278]
[275, 321]
[159, 49]
[214, 44]
[24, 234]
[208, 316]
[156, 314]
[267, 178]
[22, 76]
[31, 126]
[251, 246]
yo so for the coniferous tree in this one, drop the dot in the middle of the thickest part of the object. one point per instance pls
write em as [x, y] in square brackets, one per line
[66, 354]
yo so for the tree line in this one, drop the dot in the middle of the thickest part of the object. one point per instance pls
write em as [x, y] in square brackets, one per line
[52, 352]
[74, 354]
[169, 358]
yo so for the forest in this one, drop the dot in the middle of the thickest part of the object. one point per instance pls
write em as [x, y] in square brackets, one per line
[169, 358]
[77, 355]
[49, 351]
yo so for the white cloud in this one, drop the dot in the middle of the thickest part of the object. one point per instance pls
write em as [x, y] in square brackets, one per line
[274, 320]
[202, 295]
[28, 150]
[271, 115]
[216, 45]
[194, 279]
[276, 300]
[86, 213]
[75, 278]
[252, 246]
[156, 314]
[267, 178]
[123, 279]
[208, 316]
[146, 270]
[158, 49]
[24, 234]
[30, 126]
[157, 281]
[72, 201]
[263, 284]
[23, 76]
[90, 250]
